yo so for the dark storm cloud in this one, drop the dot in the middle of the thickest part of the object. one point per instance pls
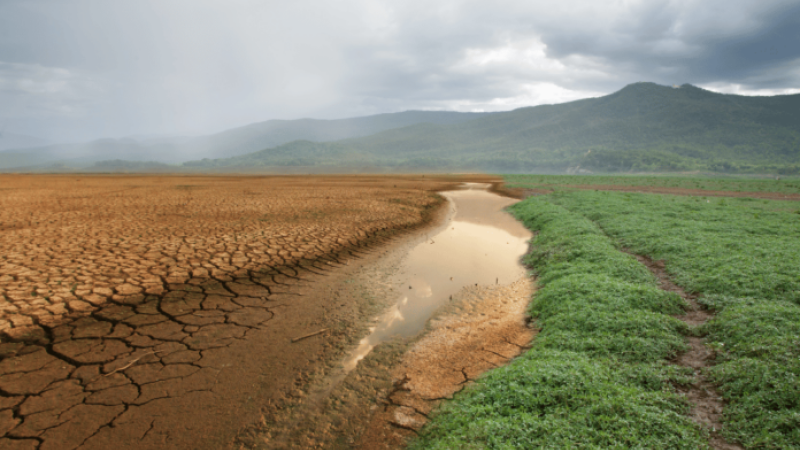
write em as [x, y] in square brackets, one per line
[746, 43]
[90, 68]
[764, 56]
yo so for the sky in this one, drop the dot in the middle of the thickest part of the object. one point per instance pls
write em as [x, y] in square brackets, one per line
[75, 70]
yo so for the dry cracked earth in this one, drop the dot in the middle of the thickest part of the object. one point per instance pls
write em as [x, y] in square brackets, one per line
[158, 311]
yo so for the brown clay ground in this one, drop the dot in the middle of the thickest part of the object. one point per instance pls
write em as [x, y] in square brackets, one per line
[158, 312]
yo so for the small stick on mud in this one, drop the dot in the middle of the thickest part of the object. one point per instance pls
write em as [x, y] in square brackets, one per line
[130, 363]
[309, 335]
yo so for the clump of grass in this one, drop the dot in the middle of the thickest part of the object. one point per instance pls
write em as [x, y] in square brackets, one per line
[630, 335]
[605, 292]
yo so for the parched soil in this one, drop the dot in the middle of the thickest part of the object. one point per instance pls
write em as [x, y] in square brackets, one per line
[522, 192]
[159, 311]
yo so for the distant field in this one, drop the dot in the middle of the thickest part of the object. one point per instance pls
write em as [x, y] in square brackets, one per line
[598, 373]
[785, 185]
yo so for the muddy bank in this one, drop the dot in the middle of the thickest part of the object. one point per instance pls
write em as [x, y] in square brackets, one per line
[485, 328]
[467, 275]
[478, 244]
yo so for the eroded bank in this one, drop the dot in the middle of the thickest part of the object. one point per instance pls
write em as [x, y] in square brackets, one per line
[466, 274]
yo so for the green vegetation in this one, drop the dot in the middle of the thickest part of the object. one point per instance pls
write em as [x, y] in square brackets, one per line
[706, 183]
[643, 127]
[596, 376]
[742, 256]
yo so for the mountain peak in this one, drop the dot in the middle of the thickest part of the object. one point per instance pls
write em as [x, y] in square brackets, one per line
[645, 89]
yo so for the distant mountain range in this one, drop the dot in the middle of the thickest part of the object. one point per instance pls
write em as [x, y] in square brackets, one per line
[643, 127]
[237, 141]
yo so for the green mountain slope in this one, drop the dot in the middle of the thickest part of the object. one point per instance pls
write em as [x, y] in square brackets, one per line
[641, 127]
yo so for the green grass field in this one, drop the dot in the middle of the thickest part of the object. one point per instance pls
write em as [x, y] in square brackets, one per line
[597, 375]
[786, 185]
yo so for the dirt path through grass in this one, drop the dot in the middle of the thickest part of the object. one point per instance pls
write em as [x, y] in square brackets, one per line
[706, 401]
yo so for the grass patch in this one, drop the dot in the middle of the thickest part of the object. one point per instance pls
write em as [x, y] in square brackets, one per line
[742, 256]
[596, 376]
[558, 399]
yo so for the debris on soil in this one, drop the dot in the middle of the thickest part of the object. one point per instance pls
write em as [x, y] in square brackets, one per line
[309, 335]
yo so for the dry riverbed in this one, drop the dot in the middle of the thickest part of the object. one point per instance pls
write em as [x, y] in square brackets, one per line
[155, 312]
[455, 299]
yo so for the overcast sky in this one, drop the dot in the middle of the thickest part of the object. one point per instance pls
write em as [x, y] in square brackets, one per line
[77, 70]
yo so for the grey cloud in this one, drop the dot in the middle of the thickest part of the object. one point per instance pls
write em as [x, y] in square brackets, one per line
[199, 66]
[31, 91]
[761, 56]
[700, 42]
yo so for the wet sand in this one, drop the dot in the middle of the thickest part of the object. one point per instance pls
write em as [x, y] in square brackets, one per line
[480, 244]
[433, 339]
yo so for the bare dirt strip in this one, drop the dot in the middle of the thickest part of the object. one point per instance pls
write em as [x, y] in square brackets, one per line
[159, 312]
[706, 402]
[522, 192]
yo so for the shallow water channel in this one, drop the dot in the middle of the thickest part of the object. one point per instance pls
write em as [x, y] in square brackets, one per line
[479, 244]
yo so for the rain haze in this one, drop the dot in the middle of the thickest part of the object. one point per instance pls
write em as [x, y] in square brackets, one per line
[79, 70]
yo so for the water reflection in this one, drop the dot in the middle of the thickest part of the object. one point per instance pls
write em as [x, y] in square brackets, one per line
[482, 244]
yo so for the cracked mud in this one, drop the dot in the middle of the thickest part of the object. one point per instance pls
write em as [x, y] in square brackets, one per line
[156, 312]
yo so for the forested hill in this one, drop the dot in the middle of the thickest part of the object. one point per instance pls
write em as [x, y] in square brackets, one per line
[642, 127]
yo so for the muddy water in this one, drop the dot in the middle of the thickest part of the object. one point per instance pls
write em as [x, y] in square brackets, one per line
[480, 244]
